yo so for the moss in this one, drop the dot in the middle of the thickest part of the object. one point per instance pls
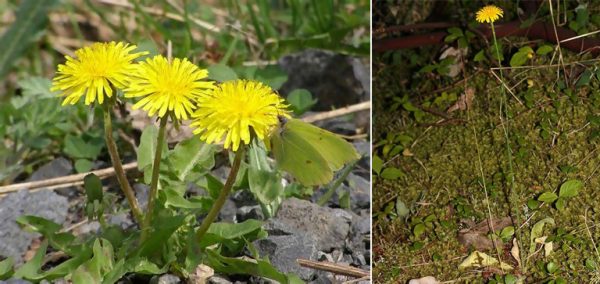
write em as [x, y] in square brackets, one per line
[443, 177]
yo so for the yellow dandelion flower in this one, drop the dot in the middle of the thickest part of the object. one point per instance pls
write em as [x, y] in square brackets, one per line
[94, 71]
[489, 14]
[167, 86]
[237, 110]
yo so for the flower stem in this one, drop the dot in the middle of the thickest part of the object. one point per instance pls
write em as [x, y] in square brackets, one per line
[513, 197]
[120, 173]
[216, 208]
[155, 173]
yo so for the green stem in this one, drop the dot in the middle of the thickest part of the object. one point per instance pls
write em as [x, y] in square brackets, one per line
[327, 196]
[513, 198]
[155, 173]
[119, 172]
[216, 208]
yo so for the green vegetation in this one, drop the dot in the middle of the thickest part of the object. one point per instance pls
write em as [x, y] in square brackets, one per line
[233, 40]
[453, 149]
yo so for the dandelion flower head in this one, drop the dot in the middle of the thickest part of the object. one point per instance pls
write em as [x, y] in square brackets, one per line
[489, 14]
[94, 71]
[168, 86]
[235, 110]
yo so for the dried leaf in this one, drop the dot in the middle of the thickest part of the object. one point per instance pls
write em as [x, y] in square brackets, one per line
[424, 280]
[477, 235]
[464, 102]
[548, 247]
[479, 259]
[514, 251]
[202, 274]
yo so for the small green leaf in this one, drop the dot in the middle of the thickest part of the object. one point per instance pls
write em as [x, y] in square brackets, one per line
[76, 147]
[533, 204]
[548, 197]
[560, 280]
[519, 58]
[83, 165]
[31, 269]
[544, 49]
[221, 73]
[301, 101]
[191, 155]
[560, 203]
[570, 188]
[147, 148]
[584, 79]
[6, 268]
[537, 231]
[419, 229]
[510, 279]
[591, 264]
[392, 173]
[93, 188]
[401, 208]
[507, 232]
[480, 56]
[551, 267]
[377, 164]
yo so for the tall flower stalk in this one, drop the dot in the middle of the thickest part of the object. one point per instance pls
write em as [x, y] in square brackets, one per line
[96, 72]
[167, 88]
[235, 112]
[489, 14]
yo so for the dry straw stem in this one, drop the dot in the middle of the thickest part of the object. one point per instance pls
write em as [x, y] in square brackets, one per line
[65, 181]
[334, 268]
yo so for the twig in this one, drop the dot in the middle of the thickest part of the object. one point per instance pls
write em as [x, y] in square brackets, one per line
[338, 112]
[64, 181]
[334, 268]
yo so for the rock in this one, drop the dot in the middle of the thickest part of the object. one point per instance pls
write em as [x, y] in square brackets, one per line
[249, 212]
[335, 80]
[56, 168]
[323, 277]
[15, 281]
[168, 279]
[284, 250]
[218, 280]
[122, 220]
[243, 198]
[329, 227]
[228, 212]
[142, 191]
[361, 226]
[44, 203]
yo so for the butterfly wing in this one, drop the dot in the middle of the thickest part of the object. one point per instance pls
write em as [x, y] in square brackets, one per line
[336, 151]
[296, 156]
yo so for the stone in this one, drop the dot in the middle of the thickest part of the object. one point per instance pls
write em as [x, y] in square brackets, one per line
[14, 281]
[122, 220]
[142, 191]
[249, 212]
[56, 168]
[168, 279]
[329, 227]
[44, 203]
[335, 80]
[228, 212]
[218, 280]
[284, 250]
[243, 198]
